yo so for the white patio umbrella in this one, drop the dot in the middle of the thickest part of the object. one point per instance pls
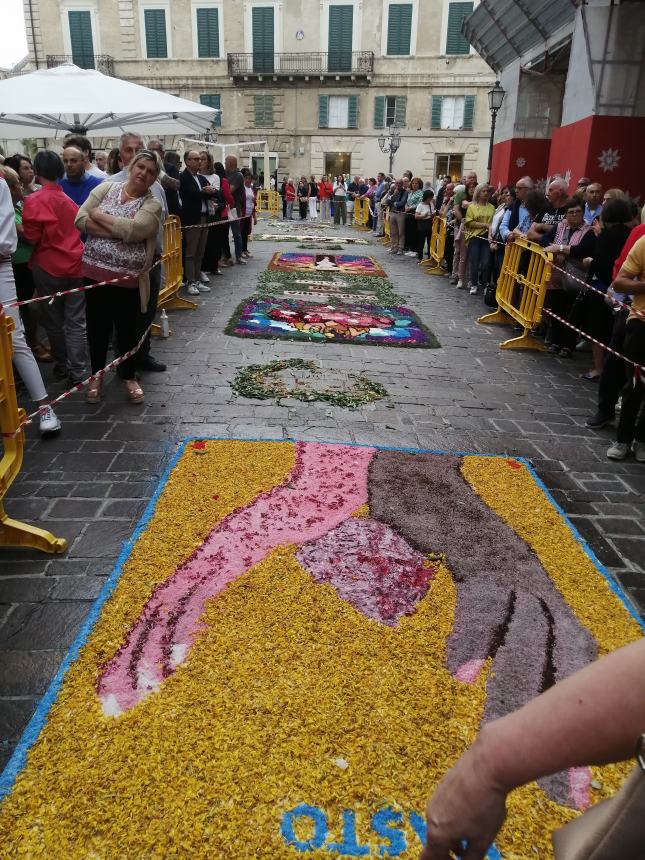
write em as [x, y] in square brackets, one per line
[53, 102]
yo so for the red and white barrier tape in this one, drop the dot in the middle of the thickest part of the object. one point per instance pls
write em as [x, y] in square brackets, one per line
[50, 298]
[639, 369]
[80, 385]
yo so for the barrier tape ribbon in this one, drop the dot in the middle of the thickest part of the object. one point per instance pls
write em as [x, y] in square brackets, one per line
[50, 298]
[80, 385]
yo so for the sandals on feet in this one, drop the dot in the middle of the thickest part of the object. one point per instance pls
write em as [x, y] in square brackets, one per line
[94, 393]
[134, 391]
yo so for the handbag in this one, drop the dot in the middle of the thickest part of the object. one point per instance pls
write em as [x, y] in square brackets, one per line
[569, 284]
[613, 829]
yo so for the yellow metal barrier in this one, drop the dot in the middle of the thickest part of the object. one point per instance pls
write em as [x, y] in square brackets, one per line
[521, 290]
[385, 240]
[268, 201]
[171, 260]
[361, 213]
[13, 532]
[437, 246]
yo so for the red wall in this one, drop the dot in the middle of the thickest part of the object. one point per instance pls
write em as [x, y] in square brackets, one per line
[532, 154]
[616, 140]
[576, 150]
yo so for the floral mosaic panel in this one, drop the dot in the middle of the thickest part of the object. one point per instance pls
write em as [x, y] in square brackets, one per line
[299, 640]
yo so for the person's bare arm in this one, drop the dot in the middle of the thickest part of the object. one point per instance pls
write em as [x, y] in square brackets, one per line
[625, 283]
[577, 722]
[93, 228]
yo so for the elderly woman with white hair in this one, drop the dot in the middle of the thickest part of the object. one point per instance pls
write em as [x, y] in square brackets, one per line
[121, 220]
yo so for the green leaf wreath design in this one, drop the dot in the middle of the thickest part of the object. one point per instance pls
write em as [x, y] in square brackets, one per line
[272, 283]
[260, 381]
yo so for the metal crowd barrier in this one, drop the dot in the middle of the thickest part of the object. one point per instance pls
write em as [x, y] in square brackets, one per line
[437, 246]
[361, 213]
[13, 532]
[268, 201]
[521, 290]
[173, 270]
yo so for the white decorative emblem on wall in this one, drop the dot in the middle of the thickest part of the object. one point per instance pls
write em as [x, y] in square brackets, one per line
[608, 160]
[520, 162]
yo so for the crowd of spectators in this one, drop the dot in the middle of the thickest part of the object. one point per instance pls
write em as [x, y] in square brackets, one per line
[68, 221]
[76, 221]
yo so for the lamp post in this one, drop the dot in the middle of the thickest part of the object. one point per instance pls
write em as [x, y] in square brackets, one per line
[495, 99]
[389, 145]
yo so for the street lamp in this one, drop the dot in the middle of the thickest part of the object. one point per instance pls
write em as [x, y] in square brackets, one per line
[389, 145]
[495, 99]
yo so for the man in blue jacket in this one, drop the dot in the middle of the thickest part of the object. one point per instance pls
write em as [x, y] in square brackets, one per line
[77, 183]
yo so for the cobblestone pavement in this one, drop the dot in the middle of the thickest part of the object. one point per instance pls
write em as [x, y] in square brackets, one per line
[92, 483]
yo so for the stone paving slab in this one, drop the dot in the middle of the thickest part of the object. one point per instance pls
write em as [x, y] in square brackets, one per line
[91, 483]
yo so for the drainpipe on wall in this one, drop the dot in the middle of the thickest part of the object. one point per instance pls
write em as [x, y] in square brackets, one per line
[33, 32]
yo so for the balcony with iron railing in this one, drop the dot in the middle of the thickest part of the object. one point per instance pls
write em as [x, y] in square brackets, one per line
[101, 62]
[336, 64]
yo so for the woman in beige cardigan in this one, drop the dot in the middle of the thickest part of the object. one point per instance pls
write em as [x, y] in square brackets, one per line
[121, 220]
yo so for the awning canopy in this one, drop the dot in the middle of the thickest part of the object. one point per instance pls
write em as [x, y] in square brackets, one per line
[503, 30]
[53, 102]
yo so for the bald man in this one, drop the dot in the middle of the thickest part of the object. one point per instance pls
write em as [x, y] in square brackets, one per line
[77, 182]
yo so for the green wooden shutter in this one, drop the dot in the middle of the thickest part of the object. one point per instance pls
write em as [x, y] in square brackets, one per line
[399, 28]
[263, 106]
[263, 46]
[213, 100]
[379, 111]
[435, 112]
[352, 112]
[400, 103]
[155, 24]
[208, 32]
[80, 34]
[323, 111]
[469, 111]
[456, 43]
[341, 23]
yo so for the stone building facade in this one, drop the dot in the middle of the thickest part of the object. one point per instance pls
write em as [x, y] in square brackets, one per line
[319, 79]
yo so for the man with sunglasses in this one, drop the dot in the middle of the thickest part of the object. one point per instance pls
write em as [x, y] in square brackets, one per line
[517, 212]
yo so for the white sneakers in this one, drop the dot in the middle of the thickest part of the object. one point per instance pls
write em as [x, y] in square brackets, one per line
[203, 278]
[460, 284]
[49, 421]
[473, 290]
[620, 450]
[192, 289]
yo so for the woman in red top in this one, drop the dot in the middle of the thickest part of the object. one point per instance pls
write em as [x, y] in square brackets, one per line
[48, 223]
[290, 196]
[325, 192]
[225, 190]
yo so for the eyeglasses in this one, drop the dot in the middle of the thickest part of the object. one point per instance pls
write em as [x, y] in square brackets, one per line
[522, 187]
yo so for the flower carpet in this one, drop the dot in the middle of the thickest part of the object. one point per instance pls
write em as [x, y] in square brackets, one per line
[298, 641]
[346, 264]
[327, 321]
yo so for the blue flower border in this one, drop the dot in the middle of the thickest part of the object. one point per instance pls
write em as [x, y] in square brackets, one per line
[29, 737]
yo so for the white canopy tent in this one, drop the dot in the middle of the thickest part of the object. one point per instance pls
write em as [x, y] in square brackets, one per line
[236, 146]
[53, 102]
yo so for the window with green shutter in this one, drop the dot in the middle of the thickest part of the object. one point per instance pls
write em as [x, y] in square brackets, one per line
[352, 112]
[323, 111]
[341, 23]
[469, 112]
[213, 100]
[435, 112]
[456, 43]
[155, 23]
[389, 110]
[262, 24]
[379, 111]
[208, 32]
[399, 29]
[400, 105]
[263, 106]
[80, 35]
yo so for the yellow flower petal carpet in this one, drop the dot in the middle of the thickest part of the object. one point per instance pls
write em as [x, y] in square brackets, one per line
[299, 642]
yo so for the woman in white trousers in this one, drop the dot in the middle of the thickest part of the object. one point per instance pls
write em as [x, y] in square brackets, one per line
[23, 357]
